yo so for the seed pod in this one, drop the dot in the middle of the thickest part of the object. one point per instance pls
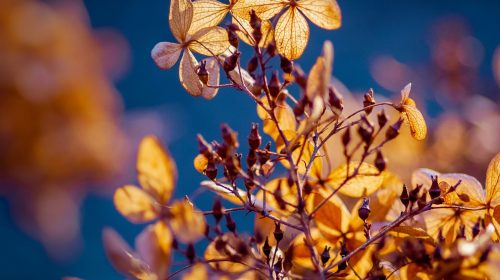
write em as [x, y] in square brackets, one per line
[217, 211]
[278, 233]
[286, 65]
[485, 254]
[393, 130]
[346, 137]
[249, 183]
[434, 190]
[231, 62]
[477, 228]
[437, 255]
[203, 147]
[300, 76]
[254, 139]
[368, 100]
[380, 161]
[335, 100]
[365, 132]
[404, 197]
[307, 189]
[202, 72]
[274, 85]
[382, 118]
[422, 200]
[271, 49]
[414, 193]
[265, 155]
[190, 253]
[252, 65]
[211, 171]
[298, 109]
[232, 36]
[343, 252]
[364, 210]
[461, 232]
[266, 248]
[230, 137]
[251, 158]
[325, 256]
[230, 224]
[256, 24]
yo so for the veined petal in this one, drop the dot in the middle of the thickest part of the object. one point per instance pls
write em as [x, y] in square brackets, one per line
[153, 244]
[180, 17]
[332, 219]
[186, 223]
[246, 30]
[209, 41]
[207, 13]
[416, 120]
[291, 34]
[365, 183]
[187, 74]
[265, 9]
[135, 204]
[324, 13]
[166, 54]
[212, 67]
[493, 181]
[156, 169]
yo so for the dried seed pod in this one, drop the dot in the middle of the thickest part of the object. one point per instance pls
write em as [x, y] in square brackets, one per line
[252, 65]
[414, 193]
[231, 62]
[382, 118]
[307, 189]
[230, 224]
[343, 253]
[477, 228]
[256, 24]
[335, 100]
[434, 190]
[325, 255]
[251, 158]
[278, 233]
[380, 161]
[217, 211]
[271, 49]
[265, 155]
[190, 253]
[461, 232]
[364, 210]
[422, 200]
[202, 72]
[404, 197]
[254, 139]
[204, 147]
[485, 254]
[266, 248]
[437, 255]
[232, 36]
[211, 170]
[298, 109]
[230, 136]
[393, 130]
[286, 65]
[368, 100]
[365, 132]
[274, 85]
[346, 137]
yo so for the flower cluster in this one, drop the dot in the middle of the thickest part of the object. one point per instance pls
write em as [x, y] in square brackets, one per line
[316, 217]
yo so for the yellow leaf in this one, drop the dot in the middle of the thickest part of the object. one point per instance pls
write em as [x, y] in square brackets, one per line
[332, 218]
[448, 221]
[411, 232]
[135, 204]
[319, 77]
[156, 169]
[166, 54]
[284, 114]
[365, 183]
[324, 13]
[265, 9]
[493, 181]
[180, 17]
[187, 224]
[418, 127]
[154, 246]
[123, 259]
[207, 13]
[200, 163]
[209, 41]
[291, 34]
[246, 30]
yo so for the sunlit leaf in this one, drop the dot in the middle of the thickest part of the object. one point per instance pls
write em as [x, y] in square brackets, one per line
[187, 224]
[288, 194]
[225, 191]
[291, 34]
[156, 169]
[493, 181]
[416, 120]
[209, 41]
[180, 17]
[153, 244]
[284, 115]
[212, 67]
[301, 252]
[365, 183]
[301, 154]
[166, 54]
[324, 13]
[207, 13]
[135, 204]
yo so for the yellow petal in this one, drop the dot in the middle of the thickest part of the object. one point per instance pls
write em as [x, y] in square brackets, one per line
[230, 248]
[246, 30]
[207, 13]
[302, 154]
[187, 74]
[197, 272]
[284, 114]
[123, 259]
[166, 54]
[301, 252]
[493, 181]
[200, 163]
[332, 219]
[365, 183]
[411, 232]
[319, 77]
[156, 169]
[209, 41]
[188, 225]
[135, 204]
[180, 17]
[288, 194]
[418, 127]
[405, 94]
[291, 34]
[153, 244]
[265, 9]
[324, 13]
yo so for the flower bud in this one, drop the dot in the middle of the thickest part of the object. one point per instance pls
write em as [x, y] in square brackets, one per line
[414, 193]
[274, 85]
[230, 224]
[265, 155]
[404, 197]
[231, 62]
[335, 100]
[346, 137]
[286, 65]
[434, 190]
[325, 256]
[251, 158]
[252, 64]
[254, 139]
[211, 170]
[217, 211]
[278, 233]
[230, 137]
[202, 72]
[380, 161]
[266, 248]
[393, 130]
[365, 132]
[422, 200]
[190, 253]
[364, 210]
[368, 100]
[382, 118]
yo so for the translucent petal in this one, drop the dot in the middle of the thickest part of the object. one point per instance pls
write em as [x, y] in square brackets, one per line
[284, 114]
[320, 75]
[229, 242]
[302, 154]
[207, 13]
[166, 54]
[209, 41]
[365, 183]
[187, 74]
[493, 181]
[180, 17]
[188, 225]
[156, 169]
[212, 67]
[291, 34]
[288, 194]
[333, 218]
[246, 30]
[418, 127]
[265, 9]
[153, 244]
[197, 272]
[324, 13]
[135, 204]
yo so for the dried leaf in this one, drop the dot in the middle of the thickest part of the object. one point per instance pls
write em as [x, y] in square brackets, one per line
[288, 194]
[166, 54]
[229, 248]
[209, 41]
[207, 13]
[135, 204]
[291, 34]
[365, 183]
[284, 115]
[180, 17]
[212, 67]
[301, 252]
[187, 224]
[198, 272]
[188, 76]
[493, 181]
[156, 169]
[416, 120]
[324, 13]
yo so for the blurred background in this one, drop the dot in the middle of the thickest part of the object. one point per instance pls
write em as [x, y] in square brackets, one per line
[78, 90]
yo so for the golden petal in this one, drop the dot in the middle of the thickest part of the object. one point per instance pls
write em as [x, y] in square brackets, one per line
[188, 224]
[324, 13]
[135, 204]
[180, 17]
[207, 13]
[209, 41]
[291, 34]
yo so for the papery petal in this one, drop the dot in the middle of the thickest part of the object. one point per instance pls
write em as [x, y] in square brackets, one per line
[207, 13]
[198, 272]
[493, 181]
[135, 204]
[284, 114]
[302, 154]
[180, 17]
[302, 254]
[230, 243]
[188, 76]
[416, 120]
[291, 34]
[187, 224]
[265, 9]
[365, 183]
[332, 218]
[212, 66]
[324, 13]
[209, 41]
[166, 54]
[153, 244]
[156, 169]
[288, 194]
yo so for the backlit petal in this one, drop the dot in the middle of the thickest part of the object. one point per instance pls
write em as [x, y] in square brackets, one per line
[207, 13]
[291, 34]
[180, 17]
[188, 225]
[324, 13]
[209, 41]
[265, 9]
[493, 181]
[135, 204]
[166, 54]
